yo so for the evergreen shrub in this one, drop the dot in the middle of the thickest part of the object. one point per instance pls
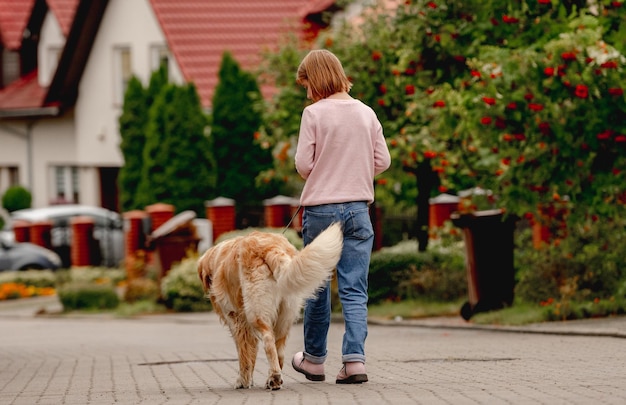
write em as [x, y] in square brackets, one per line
[585, 265]
[181, 289]
[16, 198]
[80, 296]
[436, 276]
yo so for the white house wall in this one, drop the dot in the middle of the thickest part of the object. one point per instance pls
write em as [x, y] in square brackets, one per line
[126, 23]
[13, 152]
[54, 141]
[32, 145]
[88, 136]
[50, 44]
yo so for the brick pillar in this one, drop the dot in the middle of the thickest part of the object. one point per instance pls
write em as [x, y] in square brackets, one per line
[41, 234]
[82, 249]
[440, 210]
[160, 213]
[21, 229]
[221, 213]
[134, 242]
[277, 211]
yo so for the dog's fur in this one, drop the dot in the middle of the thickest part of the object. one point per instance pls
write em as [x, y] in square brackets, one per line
[258, 283]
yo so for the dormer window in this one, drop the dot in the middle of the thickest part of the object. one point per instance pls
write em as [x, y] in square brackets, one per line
[9, 67]
[123, 71]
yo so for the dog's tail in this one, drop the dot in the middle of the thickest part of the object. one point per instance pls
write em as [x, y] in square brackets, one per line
[313, 265]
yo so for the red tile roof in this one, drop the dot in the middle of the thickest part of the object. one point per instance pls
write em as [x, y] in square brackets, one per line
[14, 15]
[26, 93]
[64, 11]
[199, 31]
[23, 93]
[316, 6]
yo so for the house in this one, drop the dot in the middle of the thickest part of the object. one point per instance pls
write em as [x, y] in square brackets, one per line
[64, 65]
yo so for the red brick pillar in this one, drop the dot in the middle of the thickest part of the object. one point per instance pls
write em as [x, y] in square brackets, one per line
[160, 213]
[41, 234]
[82, 241]
[21, 229]
[221, 213]
[440, 210]
[277, 211]
[134, 238]
[134, 242]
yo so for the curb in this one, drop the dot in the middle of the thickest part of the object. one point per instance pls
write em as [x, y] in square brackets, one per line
[562, 329]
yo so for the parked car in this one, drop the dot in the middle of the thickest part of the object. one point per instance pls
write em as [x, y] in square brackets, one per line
[26, 256]
[108, 230]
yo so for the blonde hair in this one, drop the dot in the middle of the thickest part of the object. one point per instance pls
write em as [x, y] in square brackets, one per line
[321, 70]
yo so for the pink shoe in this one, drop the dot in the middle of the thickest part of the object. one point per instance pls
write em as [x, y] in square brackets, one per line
[312, 371]
[352, 373]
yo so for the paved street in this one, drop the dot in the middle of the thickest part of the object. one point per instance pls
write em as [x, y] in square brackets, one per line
[191, 359]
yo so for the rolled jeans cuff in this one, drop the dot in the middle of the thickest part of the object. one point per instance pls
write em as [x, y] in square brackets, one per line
[314, 359]
[350, 358]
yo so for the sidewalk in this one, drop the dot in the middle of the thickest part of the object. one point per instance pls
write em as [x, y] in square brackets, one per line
[191, 359]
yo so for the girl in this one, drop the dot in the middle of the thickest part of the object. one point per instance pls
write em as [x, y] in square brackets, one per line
[340, 149]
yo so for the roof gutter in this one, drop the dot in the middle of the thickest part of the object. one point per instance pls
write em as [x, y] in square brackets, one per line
[53, 111]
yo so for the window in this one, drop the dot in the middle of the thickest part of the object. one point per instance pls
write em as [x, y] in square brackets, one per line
[10, 67]
[9, 177]
[66, 184]
[158, 55]
[123, 72]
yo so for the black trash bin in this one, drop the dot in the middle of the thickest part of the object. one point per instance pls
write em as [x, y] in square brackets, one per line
[488, 237]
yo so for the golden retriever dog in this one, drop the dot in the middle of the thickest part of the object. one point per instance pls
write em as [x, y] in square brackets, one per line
[258, 284]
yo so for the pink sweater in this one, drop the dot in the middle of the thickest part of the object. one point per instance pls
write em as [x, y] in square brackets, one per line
[340, 149]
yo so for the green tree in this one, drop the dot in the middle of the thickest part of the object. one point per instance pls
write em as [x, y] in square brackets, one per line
[158, 80]
[235, 122]
[132, 124]
[281, 115]
[178, 167]
[426, 66]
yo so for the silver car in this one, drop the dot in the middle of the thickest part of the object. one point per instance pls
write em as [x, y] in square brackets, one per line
[108, 230]
[27, 256]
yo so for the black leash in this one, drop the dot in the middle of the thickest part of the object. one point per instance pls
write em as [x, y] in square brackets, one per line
[292, 217]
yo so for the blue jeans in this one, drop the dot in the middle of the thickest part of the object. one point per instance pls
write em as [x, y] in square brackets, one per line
[352, 273]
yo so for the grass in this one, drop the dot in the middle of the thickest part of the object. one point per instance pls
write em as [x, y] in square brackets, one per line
[414, 309]
[125, 309]
[516, 315]
[519, 314]
[142, 307]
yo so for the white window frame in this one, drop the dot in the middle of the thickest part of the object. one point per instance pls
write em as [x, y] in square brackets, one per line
[158, 54]
[122, 71]
[66, 184]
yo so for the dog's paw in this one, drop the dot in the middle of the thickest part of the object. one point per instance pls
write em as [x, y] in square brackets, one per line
[274, 382]
[242, 384]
